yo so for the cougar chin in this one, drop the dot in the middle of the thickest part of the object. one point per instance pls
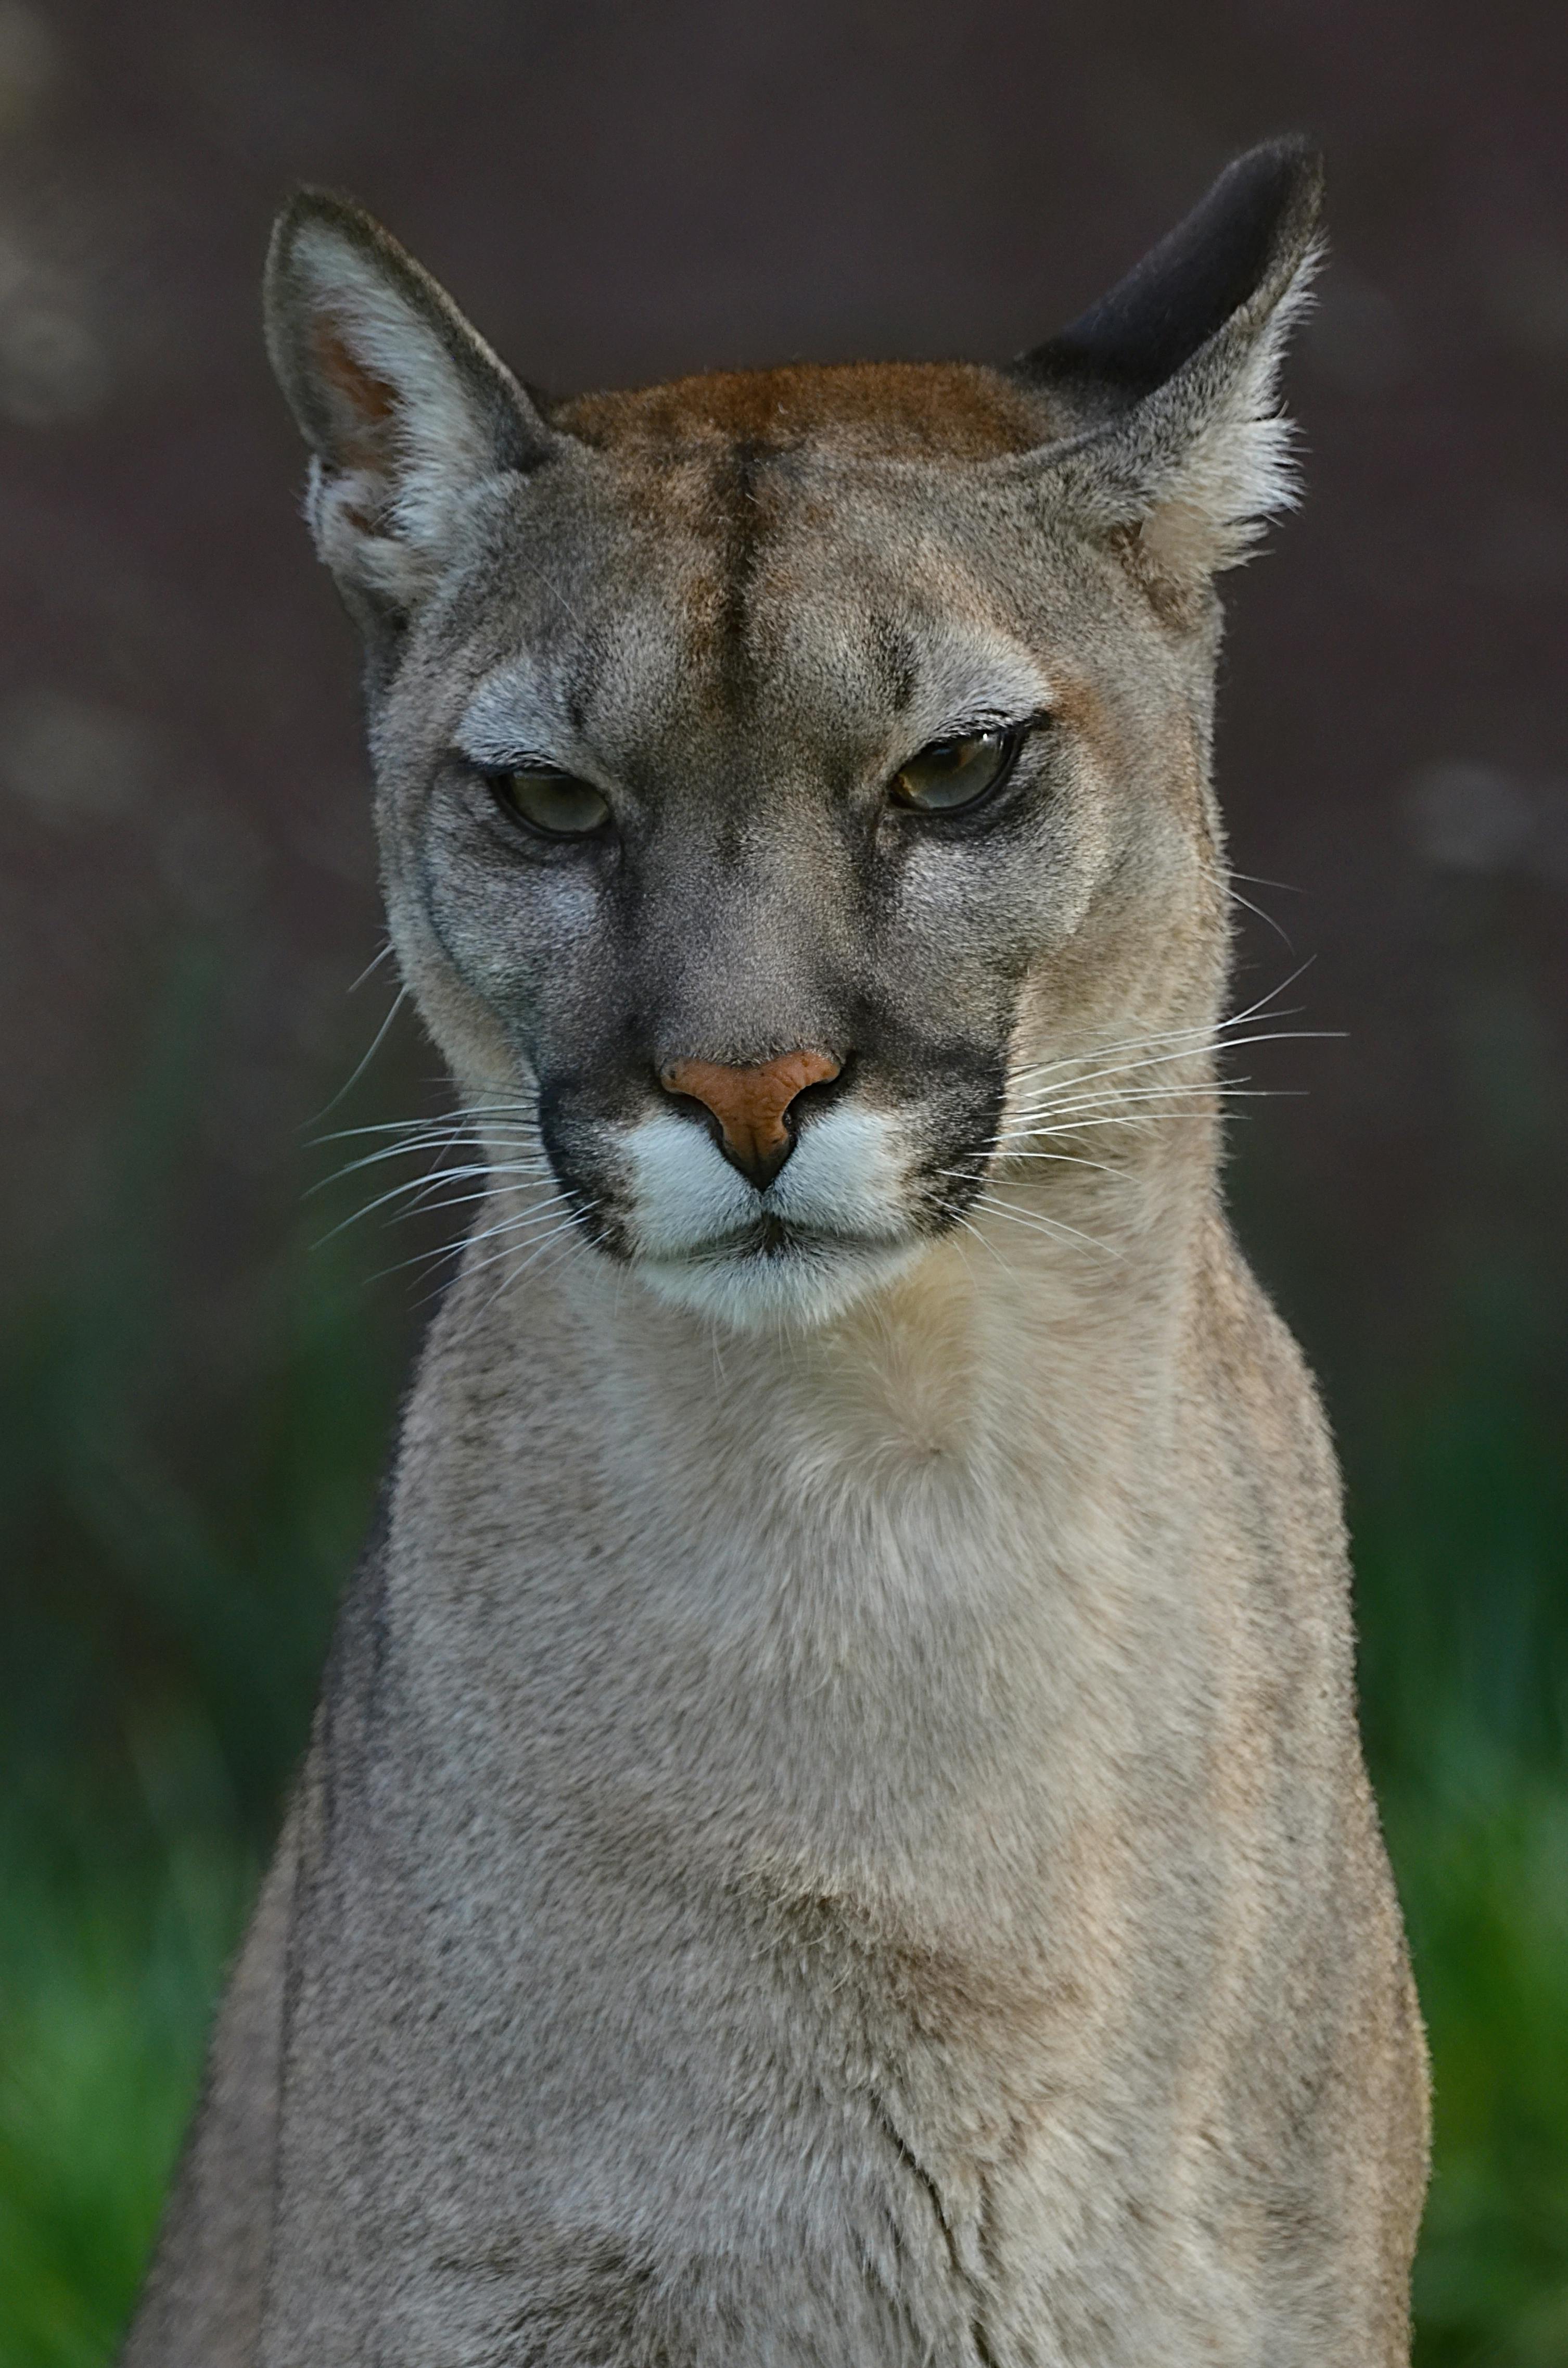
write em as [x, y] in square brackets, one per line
[775, 1278]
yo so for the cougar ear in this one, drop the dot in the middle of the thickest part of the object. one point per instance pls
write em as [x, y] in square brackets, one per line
[403, 406]
[1175, 372]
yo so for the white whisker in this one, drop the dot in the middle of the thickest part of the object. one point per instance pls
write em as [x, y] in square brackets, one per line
[521, 1225]
[1032, 1221]
[959, 1218]
[427, 1193]
[1160, 1060]
[539, 1160]
[1067, 1158]
[371, 966]
[1082, 1125]
[561, 1238]
[468, 1115]
[1211, 1031]
[1115, 1100]
[380, 1037]
[459, 1248]
[1267, 919]
[1141, 1110]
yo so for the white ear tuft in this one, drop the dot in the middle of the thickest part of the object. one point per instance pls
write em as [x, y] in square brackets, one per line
[1237, 469]
[405, 409]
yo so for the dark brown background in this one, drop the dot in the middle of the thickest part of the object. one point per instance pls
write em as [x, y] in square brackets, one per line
[616, 192]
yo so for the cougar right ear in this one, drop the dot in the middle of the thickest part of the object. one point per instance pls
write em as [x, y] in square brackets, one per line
[403, 406]
[1175, 372]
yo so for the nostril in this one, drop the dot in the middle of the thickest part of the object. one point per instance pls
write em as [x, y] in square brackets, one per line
[694, 1107]
[750, 1103]
[818, 1093]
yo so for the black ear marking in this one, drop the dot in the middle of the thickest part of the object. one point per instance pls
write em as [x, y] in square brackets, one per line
[1252, 229]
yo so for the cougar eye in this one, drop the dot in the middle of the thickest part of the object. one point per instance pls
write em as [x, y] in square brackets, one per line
[556, 804]
[950, 775]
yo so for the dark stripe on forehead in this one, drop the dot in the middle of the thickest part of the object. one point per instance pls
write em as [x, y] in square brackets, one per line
[890, 655]
[742, 523]
[750, 493]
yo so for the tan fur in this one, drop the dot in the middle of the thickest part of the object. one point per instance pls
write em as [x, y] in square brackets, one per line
[836, 1831]
[894, 410]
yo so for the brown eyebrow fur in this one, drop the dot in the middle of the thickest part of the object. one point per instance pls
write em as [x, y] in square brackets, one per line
[890, 410]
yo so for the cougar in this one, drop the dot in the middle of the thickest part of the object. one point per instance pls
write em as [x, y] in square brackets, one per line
[835, 1830]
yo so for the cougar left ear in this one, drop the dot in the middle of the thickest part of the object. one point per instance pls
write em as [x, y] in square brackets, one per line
[404, 407]
[1174, 372]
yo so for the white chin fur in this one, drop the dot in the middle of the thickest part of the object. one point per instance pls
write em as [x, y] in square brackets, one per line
[791, 1290]
[840, 1188]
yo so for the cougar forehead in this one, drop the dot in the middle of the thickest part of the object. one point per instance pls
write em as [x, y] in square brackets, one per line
[729, 537]
[958, 411]
[738, 612]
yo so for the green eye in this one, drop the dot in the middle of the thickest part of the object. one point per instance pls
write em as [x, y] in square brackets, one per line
[556, 804]
[950, 775]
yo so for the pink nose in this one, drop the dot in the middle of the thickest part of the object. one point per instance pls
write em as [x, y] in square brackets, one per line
[749, 1104]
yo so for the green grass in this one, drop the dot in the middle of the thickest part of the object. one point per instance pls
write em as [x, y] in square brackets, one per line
[1483, 1866]
[107, 1975]
[167, 1568]
[170, 1552]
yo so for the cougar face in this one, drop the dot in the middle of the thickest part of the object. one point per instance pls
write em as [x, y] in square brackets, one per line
[757, 887]
[777, 770]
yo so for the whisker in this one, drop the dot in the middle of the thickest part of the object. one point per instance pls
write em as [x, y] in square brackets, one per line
[1122, 1118]
[1031, 1220]
[1266, 919]
[1257, 1010]
[378, 1159]
[380, 1037]
[425, 1192]
[458, 1120]
[1151, 1101]
[1064, 1109]
[1067, 1158]
[523, 1224]
[496, 1258]
[1213, 1029]
[562, 1235]
[373, 965]
[414, 1185]
[1161, 1060]
[457, 1248]
[540, 1161]
[958, 1218]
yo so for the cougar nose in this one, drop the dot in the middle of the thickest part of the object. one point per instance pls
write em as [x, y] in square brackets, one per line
[750, 1104]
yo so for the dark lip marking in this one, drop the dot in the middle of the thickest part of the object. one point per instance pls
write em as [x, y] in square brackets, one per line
[938, 1202]
[772, 1240]
[939, 1170]
[603, 1224]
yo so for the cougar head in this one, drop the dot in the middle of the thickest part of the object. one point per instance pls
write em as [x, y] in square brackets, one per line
[776, 769]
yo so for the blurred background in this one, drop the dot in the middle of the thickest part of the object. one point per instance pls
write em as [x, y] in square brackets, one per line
[197, 1373]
